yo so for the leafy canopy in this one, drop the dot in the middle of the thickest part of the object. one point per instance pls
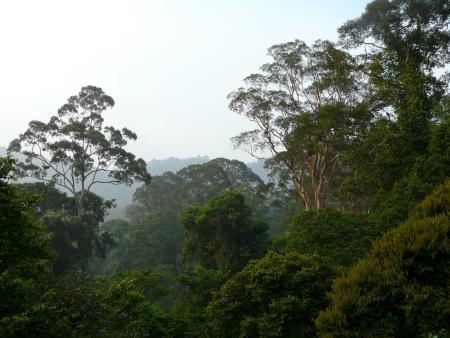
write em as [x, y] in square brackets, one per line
[278, 295]
[307, 108]
[223, 234]
[401, 289]
[24, 253]
[339, 237]
[75, 151]
[74, 240]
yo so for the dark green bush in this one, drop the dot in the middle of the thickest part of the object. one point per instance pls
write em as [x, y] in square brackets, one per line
[278, 295]
[223, 234]
[402, 288]
[338, 236]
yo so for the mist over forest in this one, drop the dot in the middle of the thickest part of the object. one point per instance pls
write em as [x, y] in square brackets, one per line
[123, 194]
[336, 225]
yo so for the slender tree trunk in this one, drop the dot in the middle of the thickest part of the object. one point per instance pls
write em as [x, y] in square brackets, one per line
[79, 207]
[318, 200]
[79, 200]
[304, 196]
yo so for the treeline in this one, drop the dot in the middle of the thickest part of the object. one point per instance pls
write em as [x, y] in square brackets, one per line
[349, 238]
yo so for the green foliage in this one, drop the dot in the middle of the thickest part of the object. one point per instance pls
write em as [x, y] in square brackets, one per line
[156, 242]
[405, 152]
[394, 206]
[75, 240]
[197, 287]
[438, 202]
[133, 298]
[80, 306]
[403, 188]
[362, 133]
[394, 201]
[205, 181]
[339, 237]
[117, 227]
[438, 161]
[222, 234]
[278, 295]
[73, 307]
[407, 41]
[374, 163]
[307, 106]
[156, 286]
[195, 185]
[24, 254]
[161, 195]
[156, 238]
[51, 199]
[401, 289]
[75, 151]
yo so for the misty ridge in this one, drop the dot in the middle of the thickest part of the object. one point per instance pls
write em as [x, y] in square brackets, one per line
[123, 195]
[335, 224]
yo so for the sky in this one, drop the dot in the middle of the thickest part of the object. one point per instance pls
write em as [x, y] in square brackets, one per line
[168, 64]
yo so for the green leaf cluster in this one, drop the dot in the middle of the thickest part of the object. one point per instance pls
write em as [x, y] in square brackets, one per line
[401, 289]
[223, 234]
[278, 295]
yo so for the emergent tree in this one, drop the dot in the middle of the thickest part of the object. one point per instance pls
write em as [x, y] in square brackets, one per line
[75, 151]
[307, 105]
[405, 42]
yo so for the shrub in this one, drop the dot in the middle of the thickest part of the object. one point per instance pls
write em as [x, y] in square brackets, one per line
[402, 288]
[278, 295]
[339, 237]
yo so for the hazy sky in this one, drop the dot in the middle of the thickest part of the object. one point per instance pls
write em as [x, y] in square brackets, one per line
[169, 65]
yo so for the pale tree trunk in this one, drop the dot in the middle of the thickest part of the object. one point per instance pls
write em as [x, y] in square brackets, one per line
[297, 178]
[304, 196]
[321, 173]
[80, 208]
[318, 200]
[79, 200]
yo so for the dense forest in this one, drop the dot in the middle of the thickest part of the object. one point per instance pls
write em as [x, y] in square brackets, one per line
[347, 236]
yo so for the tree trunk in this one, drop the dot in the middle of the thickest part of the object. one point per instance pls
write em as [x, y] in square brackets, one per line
[79, 200]
[303, 194]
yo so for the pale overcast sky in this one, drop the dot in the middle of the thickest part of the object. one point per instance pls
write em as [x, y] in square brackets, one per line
[168, 64]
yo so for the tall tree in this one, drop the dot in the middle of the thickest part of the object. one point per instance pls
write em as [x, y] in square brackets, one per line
[195, 184]
[74, 240]
[75, 151]
[223, 234]
[154, 242]
[405, 41]
[405, 45]
[156, 236]
[306, 105]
